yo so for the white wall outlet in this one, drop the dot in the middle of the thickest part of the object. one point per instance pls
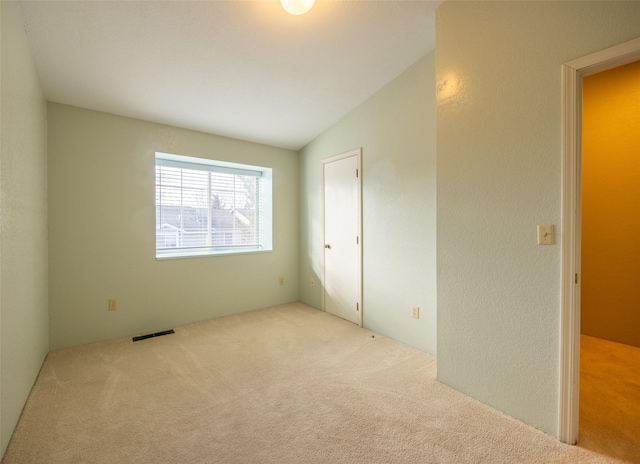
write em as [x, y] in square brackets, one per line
[281, 280]
[546, 234]
[113, 304]
[415, 312]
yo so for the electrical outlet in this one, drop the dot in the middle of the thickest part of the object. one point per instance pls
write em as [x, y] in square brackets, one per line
[313, 282]
[281, 280]
[415, 312]
[113, 304]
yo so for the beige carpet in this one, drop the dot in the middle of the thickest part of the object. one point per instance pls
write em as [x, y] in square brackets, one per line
[283, 385]
[610, 398]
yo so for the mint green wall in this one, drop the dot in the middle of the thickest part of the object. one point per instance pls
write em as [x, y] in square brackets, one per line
[102, 231]
[24, 339]
[396, 130]
[499, 174]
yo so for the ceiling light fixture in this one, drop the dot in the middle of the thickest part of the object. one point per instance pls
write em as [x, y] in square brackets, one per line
[297, 7]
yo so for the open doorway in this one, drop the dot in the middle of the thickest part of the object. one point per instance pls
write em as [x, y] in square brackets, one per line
[570, 323]
[609, 417]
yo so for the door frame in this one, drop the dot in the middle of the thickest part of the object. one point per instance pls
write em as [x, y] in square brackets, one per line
[357, 152]
[572, 74]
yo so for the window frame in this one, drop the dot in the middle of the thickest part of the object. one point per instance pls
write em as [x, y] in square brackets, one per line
[264, 210]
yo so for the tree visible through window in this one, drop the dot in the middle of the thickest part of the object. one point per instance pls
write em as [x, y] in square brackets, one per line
[208, 207]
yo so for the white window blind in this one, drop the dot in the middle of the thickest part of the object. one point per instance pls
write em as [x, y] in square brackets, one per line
[206, 207]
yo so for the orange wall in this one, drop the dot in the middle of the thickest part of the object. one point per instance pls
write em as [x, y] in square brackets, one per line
[611, 205]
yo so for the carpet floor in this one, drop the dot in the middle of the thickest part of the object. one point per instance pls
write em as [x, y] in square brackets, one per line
[288, 384]
[610, 398]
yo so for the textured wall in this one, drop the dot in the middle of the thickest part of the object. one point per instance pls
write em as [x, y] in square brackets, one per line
[396, 130]
[102, 231]
[24, 339]
[498, 71]
[610, 299]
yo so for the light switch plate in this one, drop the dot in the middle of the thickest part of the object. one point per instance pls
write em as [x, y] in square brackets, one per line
[546, 234]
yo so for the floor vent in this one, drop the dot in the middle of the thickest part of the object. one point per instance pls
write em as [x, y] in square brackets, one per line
[157, 334]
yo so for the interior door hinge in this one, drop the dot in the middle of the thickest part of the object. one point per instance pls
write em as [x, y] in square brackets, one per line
[357, 306]
[357, 240]
[576, 278]
[356, 173]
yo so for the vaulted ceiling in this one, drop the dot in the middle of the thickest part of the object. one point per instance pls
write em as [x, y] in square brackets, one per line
[243, 69]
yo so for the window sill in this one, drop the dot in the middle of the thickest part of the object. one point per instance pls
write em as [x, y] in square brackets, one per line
[204, 253]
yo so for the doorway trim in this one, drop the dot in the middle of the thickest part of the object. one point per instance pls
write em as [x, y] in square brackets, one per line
[572, 74]
[357, 152]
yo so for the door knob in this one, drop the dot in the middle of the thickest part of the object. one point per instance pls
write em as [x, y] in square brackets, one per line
[327, 246]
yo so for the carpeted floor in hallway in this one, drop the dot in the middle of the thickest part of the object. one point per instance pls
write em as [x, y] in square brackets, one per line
[610, 398]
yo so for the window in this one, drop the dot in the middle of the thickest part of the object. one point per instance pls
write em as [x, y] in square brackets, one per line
[206, 207]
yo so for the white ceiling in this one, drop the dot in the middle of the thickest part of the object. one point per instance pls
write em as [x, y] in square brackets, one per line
[243, 69]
